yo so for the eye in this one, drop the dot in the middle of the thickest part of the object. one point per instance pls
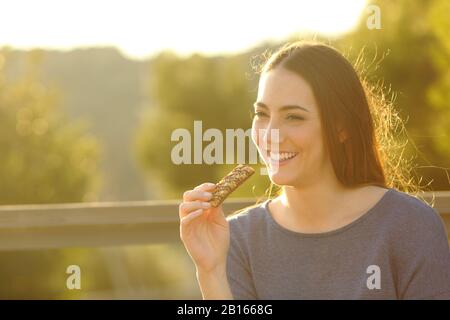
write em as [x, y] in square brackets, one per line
[259, 114]
[294, 117]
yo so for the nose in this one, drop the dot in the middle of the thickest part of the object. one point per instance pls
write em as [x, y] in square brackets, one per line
[272, 137]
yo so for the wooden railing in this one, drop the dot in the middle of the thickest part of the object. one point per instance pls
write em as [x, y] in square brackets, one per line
[114, 224]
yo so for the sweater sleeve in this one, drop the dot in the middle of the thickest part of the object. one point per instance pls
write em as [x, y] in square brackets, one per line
[238, 268]
[424, 258]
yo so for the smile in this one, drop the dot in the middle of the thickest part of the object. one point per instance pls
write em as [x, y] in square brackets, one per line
[281, 157]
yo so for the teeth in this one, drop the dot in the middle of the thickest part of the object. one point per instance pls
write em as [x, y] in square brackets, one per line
[282, 156]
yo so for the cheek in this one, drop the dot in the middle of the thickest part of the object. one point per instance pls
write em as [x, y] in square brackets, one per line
[300, 137]
[307, 139]
[315, 144]
[255, 129]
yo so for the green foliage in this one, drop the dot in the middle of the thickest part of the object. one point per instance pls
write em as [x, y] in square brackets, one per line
[409, 57]
[213, 90]
[152, 271]
[439, 92]
[45, 159]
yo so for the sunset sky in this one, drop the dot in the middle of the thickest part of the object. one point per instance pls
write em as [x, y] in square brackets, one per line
[141, 28]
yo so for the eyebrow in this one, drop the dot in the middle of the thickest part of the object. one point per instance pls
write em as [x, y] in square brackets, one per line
[283, 108]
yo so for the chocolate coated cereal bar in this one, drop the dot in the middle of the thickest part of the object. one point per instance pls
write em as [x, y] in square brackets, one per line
[230, 182]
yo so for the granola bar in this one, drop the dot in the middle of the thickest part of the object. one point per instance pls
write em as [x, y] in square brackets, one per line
[230, 182]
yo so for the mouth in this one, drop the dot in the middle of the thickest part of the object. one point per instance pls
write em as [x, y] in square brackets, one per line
[281, 157]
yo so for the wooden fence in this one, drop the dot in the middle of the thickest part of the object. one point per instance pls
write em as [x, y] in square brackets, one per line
[113, 224]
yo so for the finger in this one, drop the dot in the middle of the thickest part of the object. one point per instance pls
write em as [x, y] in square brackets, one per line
[190, 217]
[187, 207]
[194, 195]
[205, 186]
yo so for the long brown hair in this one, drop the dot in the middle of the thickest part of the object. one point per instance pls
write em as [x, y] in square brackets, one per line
[343, 108]
[370, 154]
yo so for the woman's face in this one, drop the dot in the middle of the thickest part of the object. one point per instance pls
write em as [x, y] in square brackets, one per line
[286, 102]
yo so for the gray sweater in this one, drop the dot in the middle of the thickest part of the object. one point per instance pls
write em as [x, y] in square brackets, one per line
[396, 250]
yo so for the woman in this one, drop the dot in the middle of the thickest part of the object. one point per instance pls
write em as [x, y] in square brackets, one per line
[337, 230]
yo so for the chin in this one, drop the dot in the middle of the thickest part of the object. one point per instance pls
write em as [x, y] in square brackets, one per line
[282, 179]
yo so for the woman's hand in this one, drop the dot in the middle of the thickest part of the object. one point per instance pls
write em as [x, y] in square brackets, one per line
[204, 229]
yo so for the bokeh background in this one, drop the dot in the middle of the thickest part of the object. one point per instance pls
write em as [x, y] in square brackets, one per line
[90, 92]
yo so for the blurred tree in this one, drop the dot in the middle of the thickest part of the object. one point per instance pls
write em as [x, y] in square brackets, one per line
[439, 92]
[45, 159]
[103, 88]
[41, 274]
[409, 56]
[212, 90]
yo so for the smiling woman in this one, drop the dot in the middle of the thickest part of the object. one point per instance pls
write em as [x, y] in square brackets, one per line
[341, 228]
[333, 117]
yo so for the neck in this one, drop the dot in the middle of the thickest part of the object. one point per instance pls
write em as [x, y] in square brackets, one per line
[315, 205]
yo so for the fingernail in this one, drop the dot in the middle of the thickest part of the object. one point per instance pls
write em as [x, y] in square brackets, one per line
[206, 204]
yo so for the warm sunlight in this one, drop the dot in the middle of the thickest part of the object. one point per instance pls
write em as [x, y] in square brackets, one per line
[251, 150]
[141, 28]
